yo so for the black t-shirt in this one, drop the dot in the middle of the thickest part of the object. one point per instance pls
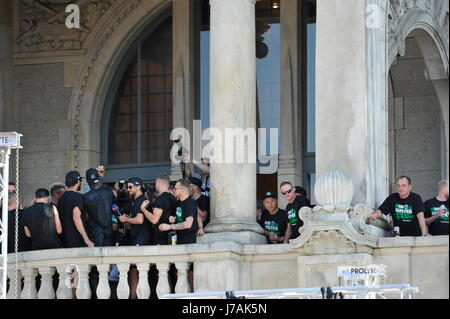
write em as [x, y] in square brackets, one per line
[140, 234]
[404, 212]
[276, 223]
[185, 209]
[68, 201]
[24, 243]
[203, 202]
[292, 211]
[98, 207]
[40, 221]
[440, 225]
[167, 202]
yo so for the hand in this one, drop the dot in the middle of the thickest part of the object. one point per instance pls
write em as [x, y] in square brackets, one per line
[441, 212]
[145, 204]
[172, 219]
[200, 232]
[127, 226]
[273, 237]
[426, 235]
[89, 243]
[164, 227]
[374, 215]
[123, 219]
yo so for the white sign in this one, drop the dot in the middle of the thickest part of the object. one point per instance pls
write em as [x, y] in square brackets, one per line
[360, 271]
[10, 139]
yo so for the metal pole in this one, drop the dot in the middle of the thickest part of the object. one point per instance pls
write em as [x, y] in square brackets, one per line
[5, 153]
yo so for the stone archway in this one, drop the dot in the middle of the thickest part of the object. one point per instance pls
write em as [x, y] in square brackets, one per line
[106, 48]
[418, 35]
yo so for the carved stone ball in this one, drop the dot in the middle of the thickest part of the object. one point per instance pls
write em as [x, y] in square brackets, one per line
[334, 188]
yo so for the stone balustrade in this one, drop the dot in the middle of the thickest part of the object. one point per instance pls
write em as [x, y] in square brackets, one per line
[75, 265]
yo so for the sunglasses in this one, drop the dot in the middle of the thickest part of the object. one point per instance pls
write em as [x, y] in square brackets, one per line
[288, 192]
[130, 187]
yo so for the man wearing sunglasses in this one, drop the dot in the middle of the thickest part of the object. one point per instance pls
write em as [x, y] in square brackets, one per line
[295, 203]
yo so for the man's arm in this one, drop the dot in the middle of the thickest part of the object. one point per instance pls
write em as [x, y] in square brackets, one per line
[422, 224]
[376, 214]
[152, 217]
[57, 221]
[288, 234]
[80, 227]
[187, 224]
[432, 219]
[200, 231]
[138, 220]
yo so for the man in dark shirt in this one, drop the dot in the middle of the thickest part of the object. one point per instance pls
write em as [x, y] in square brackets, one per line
[406, 209]
[186, 215]
[436, 211]
[70, 208]
[24, 243]
[203, 204]
[42, 223]
[163, 207]
[274, 221]
[295, 203]
[98, 206]
[56, 191]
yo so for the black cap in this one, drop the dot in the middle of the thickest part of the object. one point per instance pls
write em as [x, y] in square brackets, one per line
[300, 190]
[137, 181]
[196, 181]
[72, 178]
[92, 176]
[269, 195]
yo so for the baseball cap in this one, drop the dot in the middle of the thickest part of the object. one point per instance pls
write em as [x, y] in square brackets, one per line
[92, 176]
[269, 195]
[196, 181]
[300, 190]
[136, 181]
[72, 178]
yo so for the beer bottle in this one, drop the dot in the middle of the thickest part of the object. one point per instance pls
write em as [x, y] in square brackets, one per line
[172, 237]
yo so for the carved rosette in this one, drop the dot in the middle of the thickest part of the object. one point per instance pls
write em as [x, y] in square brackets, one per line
[333, 192]
[329, 243]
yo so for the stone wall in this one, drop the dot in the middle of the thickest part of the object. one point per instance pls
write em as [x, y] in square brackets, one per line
[6, 69]
[415, 123]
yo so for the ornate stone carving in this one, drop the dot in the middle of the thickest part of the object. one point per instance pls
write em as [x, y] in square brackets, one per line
[358, 218]
[404, 14]
[41, 24]
[329, 243]
[334, 191]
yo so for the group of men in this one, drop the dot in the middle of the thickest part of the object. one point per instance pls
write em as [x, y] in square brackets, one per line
[410, 215]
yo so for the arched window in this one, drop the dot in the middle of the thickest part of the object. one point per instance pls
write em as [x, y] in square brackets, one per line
[138, 118]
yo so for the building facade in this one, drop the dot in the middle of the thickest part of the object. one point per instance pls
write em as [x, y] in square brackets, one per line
[359, 86]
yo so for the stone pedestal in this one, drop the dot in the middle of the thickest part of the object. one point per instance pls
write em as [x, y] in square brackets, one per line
[233, 106]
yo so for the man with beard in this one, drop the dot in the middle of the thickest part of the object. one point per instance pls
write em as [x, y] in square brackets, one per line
[98, 203]
[70, 207]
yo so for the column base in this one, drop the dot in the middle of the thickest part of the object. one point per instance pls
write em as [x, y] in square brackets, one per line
[243, 238]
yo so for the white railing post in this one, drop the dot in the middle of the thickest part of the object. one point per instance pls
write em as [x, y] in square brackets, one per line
[182, 285]
[163, 286]
[64, 290]
[123, 290]
[13, 278]
[143, 288]
[103, 289]
[46, 291]
[29, 288]
[83, 289]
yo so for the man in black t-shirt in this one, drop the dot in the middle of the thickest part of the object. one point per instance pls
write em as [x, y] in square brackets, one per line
[163, 207]
[203, 204]
[186, 215]
[70, 208]
[436, 211]
[24, 243]
[406, 209]
[42, 223]
[274, 221]
[295, 203]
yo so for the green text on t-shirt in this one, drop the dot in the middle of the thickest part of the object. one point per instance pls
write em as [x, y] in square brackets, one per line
[404, 212]
[272, 226]
[179, 213]
[434, 211]
[292, 215]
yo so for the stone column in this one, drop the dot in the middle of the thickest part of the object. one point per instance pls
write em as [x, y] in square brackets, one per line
[290, 168]
[46, 291]
[163, 287]
[351, 122]
[29, 288]
[143, 289]
[103, 289]
[233, 106]
[182, 286]
[123, 290]
[64, 290]
[183, 71]
[83, 289]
